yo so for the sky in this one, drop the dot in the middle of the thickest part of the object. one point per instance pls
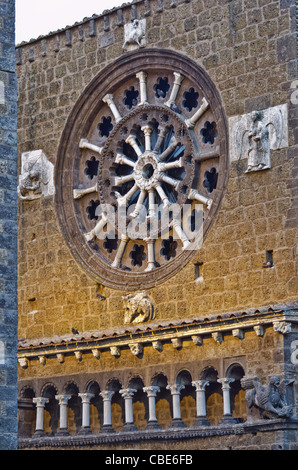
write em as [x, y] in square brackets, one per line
[38, 17]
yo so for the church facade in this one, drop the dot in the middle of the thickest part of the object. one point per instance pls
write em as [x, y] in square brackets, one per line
[157, 193]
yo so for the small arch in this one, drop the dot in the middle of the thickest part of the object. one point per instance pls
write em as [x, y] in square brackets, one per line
[95, 407]
[74, 409]
[214, 399]
[187, 398]
[237, 394]
[163, 402]
[117, 404]
[51, 410]
[140, 403]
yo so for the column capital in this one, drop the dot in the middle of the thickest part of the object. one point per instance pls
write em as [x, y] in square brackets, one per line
[63, 399]
[147, 129]
[141, 75]
[175, 389]
[86, 397]
[225, 382]
[152, 390]
[128, 392]
[40, 401]
[107, 395]
[109, 98]
[200, 384]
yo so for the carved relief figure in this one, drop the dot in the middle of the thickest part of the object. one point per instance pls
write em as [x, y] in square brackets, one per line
[134, 34]
[36, 176]
[270, 400]
[31, 177]
[258, 138]
[255, 134]
[138, 308]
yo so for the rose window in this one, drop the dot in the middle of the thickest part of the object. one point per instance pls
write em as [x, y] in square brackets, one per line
[144, 149]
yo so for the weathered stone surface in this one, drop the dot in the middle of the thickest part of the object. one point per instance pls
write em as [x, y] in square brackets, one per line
[248, 52]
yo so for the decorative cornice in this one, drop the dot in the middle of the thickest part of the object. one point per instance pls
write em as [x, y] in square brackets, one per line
[136, 338]
[157, 435]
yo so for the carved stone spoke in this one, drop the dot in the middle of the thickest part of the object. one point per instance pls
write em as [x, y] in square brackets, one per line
[194, 119]
[84, 144]
[109, 99]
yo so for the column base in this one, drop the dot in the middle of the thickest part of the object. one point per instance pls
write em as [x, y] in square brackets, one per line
[228, 419]
[62, 432]
[129, 427]
[85, 430]
[39, 433]
[201, 421]
[177, 423]
[152, 425]
[107, 429]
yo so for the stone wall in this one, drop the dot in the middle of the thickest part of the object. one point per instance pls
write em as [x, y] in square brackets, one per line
[8, 230]
[240, 45]
[248, 48]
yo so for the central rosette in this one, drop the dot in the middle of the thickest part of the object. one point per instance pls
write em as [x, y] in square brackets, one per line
[146, 172]
[147, 162]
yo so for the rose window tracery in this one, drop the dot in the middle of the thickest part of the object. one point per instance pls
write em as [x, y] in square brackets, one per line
[147, 139]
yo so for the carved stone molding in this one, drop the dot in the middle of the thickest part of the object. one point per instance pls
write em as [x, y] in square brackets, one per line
[155, 335]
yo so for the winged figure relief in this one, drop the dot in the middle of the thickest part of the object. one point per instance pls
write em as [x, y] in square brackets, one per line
[270, 400]
[256, 134]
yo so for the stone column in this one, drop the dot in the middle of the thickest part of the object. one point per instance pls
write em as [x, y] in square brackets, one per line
[175, 391]
[109, 99]
[39, 425]
[151, 394]
[142, 76]
[107, 411]
[227, 416]
[86, 397]
[127, 394]
[201, 419]
[178, 79]
[63, 400]
[190, 123]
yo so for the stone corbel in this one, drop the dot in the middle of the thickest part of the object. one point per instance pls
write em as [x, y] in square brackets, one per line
[42, 360]
[78, 355]
[60, 358]
[96, 353]
[218, 337]
[177, 343]
[24, 362]
[115, 351]
[259, 329]
[136, 349]
[238, 333]
[157, 345]
[198, 340]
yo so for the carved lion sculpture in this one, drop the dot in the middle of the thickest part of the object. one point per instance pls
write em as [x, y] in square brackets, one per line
[138, 308]
[269, 400]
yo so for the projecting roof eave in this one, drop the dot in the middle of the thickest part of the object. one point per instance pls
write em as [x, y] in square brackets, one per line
[281, 318]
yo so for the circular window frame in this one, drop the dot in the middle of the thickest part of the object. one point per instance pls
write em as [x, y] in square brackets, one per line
[78, 124]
